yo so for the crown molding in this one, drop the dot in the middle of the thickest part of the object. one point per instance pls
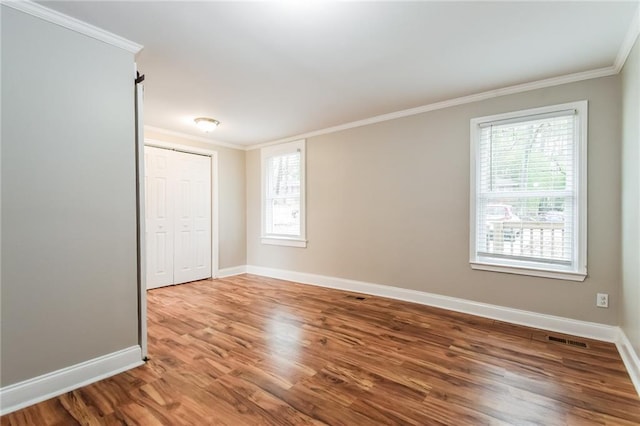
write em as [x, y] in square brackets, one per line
[625, 48]
[189, 137]
[629, 40]
[73, 24]
[42, 12]
[510, 90]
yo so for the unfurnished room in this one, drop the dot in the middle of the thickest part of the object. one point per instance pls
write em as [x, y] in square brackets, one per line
[320, 213]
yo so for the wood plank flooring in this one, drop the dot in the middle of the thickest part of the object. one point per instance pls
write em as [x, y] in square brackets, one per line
[249, 350]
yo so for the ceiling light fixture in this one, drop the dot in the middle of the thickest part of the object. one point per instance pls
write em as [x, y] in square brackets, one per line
[206, 124]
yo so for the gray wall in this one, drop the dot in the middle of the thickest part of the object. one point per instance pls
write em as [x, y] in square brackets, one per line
[232, 203]
[69, 290]
[389, 203]
[630, 317]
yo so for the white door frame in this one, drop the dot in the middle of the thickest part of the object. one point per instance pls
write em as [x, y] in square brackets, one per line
[142, 222]
[140, 237]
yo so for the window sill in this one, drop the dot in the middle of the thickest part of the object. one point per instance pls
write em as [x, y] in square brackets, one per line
[533, 272]
[284, 241]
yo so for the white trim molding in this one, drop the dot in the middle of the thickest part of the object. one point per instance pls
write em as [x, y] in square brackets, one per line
[41, 388]
[625, 48]
[235, 270]
[532, 272]
[629, 41]
[591, 330]
[283, 241]
[266, 210]
[630, 358]
[480, 257]
[189, 137]
[178, 147]
[623, 52]
[573, 327]
[525, 87]
[73, 24]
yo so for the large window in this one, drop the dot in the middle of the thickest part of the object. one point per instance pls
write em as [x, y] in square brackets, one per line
[528, 192]
[283, 190]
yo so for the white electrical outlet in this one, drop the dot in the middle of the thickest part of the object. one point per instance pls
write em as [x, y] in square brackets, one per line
[602, 300]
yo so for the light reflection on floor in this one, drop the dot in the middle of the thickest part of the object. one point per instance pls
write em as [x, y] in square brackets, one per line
[284, 338]
[515, 399]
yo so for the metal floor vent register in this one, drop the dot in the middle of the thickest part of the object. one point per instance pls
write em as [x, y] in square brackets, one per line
[356, 297]
[567, 341]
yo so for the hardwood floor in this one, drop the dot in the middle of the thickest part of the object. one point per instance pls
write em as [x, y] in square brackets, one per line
[249, 350]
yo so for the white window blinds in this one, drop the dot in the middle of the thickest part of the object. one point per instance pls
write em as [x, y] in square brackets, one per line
[283, 194]
[527, 191]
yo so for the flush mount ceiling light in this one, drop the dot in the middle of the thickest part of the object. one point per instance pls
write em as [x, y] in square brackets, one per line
[206, 124]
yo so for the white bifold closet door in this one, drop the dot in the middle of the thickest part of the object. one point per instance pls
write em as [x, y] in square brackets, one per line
[178, 216]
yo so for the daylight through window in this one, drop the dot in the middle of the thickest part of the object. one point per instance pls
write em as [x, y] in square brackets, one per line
[283, 194]
[529, 191]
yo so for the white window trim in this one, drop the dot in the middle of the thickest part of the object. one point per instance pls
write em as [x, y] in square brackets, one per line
[274, 239]
[579, 273]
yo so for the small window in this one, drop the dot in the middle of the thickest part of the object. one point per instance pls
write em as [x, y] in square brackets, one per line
[529, 192]
[283, 194]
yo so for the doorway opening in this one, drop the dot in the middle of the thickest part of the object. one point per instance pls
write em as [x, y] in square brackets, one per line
[197, 241]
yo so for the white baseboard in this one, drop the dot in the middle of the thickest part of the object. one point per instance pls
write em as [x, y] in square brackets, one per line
[569, 326]
[630, 358]
[229, 272]
[41, 388]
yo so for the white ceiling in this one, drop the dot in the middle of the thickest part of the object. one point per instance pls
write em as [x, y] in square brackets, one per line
[271, 70]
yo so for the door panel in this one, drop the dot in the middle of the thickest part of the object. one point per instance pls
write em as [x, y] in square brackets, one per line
[159, 217]
[202, 217]
[193, 247]
[178, 217]
[161, 250]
